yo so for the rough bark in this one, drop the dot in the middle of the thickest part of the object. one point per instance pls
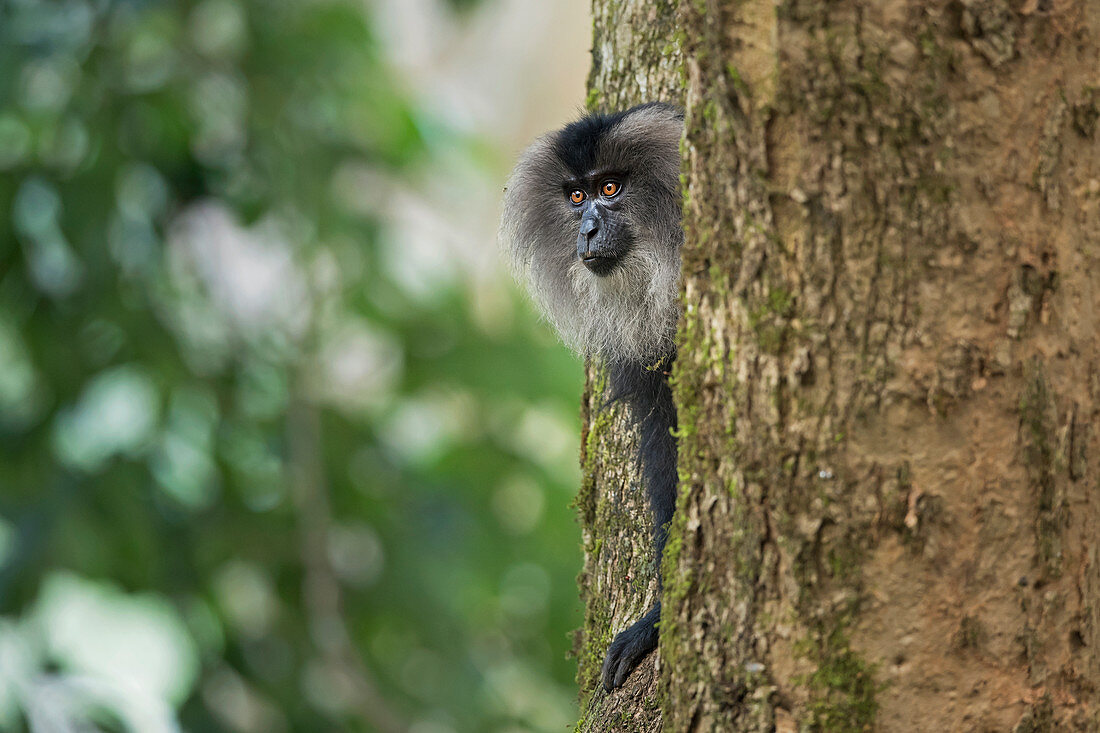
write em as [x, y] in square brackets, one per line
[889, 369]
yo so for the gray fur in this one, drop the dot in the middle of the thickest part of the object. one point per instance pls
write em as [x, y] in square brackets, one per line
[631, 314]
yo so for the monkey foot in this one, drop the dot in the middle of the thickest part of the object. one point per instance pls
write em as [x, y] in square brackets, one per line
[629, 649]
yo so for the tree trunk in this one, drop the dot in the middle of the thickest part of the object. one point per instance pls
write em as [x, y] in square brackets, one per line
[887, 375]
[635, 58]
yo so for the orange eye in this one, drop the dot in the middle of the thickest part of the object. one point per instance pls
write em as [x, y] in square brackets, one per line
[610, 188]
[577, 196]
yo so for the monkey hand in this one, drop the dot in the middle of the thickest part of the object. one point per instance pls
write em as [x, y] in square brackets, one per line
[629, 648]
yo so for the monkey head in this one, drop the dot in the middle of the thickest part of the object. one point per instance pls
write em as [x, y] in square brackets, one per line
[591, 224]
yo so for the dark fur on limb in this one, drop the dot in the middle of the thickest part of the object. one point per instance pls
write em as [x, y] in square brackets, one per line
[646, 392]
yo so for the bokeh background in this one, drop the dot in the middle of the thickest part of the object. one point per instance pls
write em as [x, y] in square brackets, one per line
[281, 446]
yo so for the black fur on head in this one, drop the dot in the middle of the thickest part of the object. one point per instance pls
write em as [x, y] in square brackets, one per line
[629, 313]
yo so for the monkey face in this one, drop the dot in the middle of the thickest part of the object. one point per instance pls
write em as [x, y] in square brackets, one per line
[605, 234]
[591, 222]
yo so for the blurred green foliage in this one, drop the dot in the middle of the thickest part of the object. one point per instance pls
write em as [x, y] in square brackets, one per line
[255, 472]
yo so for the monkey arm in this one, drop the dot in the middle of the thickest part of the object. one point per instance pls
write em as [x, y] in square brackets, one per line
[646, 391]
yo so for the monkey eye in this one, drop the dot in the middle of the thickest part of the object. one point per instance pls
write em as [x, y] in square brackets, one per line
[577, 196]
[610, 188]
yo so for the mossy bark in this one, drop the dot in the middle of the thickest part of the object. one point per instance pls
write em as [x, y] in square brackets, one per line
[889, 368]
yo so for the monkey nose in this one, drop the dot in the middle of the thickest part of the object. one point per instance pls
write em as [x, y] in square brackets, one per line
[589, 227]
